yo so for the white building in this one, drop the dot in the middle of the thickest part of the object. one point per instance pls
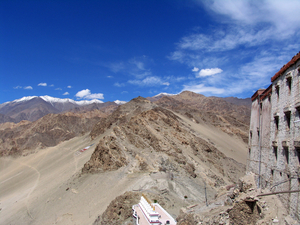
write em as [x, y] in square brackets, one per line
[274, 138]
[147, 213]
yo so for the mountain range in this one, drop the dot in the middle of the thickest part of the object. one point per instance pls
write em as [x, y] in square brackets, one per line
[33, 107]
[48, 121]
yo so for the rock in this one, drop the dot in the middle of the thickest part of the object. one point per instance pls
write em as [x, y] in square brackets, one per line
[290, 221]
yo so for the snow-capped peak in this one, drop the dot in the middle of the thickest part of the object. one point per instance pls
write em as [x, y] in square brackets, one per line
[53, 100]
[118, 102]
[50, 99]
[163, 94]
[24, 99]
[60, 100]
[88, 102]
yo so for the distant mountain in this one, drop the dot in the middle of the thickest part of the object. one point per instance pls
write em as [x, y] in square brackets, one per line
[4, 118]
[159, 96]
[54, 126]
[239, 101]
[33, 108]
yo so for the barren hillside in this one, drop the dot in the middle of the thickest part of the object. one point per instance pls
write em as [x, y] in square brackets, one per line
[48, 131]
[230, 118]
[146, 138]
[170, 150]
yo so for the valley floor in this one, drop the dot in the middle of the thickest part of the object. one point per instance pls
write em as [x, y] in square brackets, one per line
[45, 188]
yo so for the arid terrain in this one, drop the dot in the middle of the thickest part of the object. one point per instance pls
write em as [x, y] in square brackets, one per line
[187, 152]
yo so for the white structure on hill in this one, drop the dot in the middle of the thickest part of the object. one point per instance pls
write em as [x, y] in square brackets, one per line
[274, 139]
[147, 213]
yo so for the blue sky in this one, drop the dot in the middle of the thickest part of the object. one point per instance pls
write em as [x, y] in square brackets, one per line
[118, 50]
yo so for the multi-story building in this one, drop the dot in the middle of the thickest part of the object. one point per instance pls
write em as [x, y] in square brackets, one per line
[274, 138]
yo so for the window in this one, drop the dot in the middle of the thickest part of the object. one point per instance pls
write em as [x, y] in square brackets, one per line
[260, 106]
[277, 90]
[298, 109]
[298, 154]
[286, 154]
[289, 83]
[276, 120]
[275, 152]
[288, 118]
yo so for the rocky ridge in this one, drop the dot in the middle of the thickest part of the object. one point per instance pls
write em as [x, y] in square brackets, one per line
[151, 134]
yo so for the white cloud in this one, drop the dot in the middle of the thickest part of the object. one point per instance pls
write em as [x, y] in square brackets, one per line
[195, 69]
[17, 87]
[282, 15]
[69, 86]
[117, 84]
[83, 93]
[86, 94]
[209, 72]
[58, 89]
[149, 81]
[139, 64]
[251, 41]
[116, 67]
[28, 88]
[66, 93]
[137, 67]
[52, 85]
[94, 96]
[42, 84]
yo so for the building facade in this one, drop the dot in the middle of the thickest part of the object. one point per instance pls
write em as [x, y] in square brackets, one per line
[274, 136]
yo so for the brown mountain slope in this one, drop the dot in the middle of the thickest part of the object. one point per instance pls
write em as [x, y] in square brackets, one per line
[152, 139]
[230, 118]
[141, 147]
[48, 131]
[180, 155]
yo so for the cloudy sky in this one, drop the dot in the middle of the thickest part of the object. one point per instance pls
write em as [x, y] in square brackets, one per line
[118, 50]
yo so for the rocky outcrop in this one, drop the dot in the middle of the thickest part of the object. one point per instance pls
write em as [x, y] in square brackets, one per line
[119, 211]
[107, 156]
[240, 204]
